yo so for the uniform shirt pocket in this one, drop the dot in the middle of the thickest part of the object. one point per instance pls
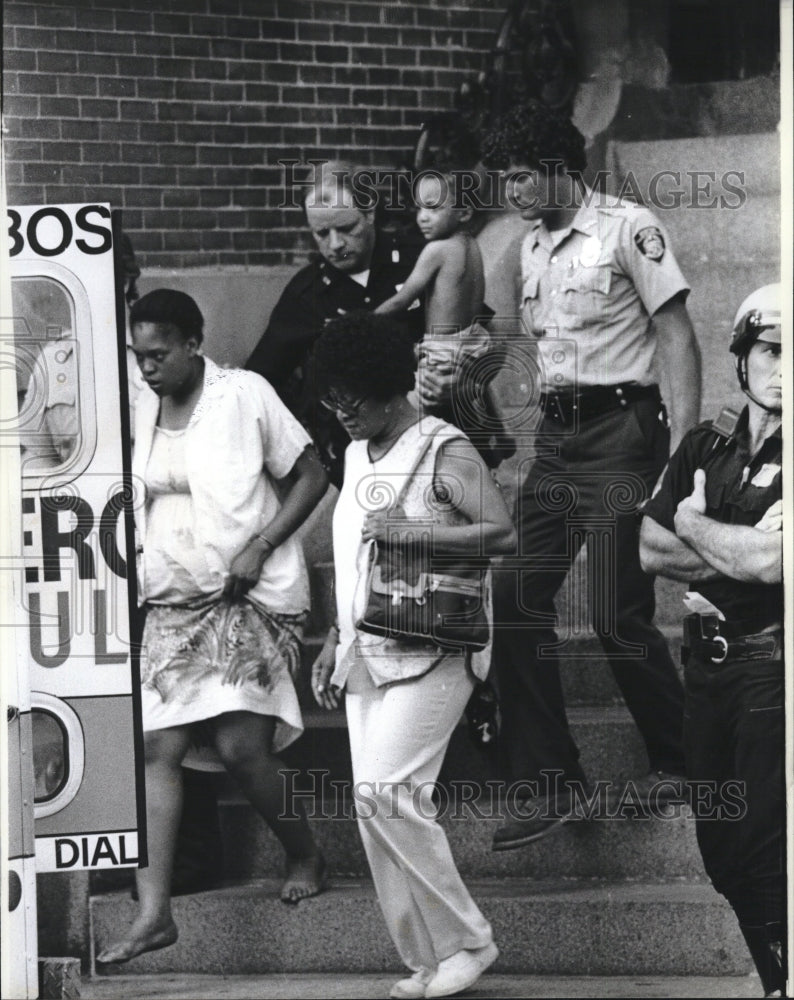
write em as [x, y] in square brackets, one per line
[752, 502]
[584, 293]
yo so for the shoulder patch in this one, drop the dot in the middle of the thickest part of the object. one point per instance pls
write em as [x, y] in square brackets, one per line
[766, 475]
[650, 243]
[727, 422]
[720, 431]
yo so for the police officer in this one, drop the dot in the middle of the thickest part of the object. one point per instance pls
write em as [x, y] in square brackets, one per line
[601, 291]
[717, 523]
[359, 266]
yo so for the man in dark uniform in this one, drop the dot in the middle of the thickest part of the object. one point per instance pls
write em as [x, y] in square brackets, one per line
[716, 521]
[600, 291]
[359, 266]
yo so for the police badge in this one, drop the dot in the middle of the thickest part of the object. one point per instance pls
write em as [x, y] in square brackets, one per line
[590, 252]
[650, 242]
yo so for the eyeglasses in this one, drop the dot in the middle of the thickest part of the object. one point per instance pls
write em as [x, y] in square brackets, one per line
[345, 409]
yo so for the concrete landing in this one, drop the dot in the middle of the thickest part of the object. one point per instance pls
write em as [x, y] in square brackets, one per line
[558, 928]
[278, 986]
[610, 745]
[650, 849]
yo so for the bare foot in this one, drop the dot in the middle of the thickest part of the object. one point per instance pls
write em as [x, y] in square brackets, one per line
[305, 878]
[142, 937]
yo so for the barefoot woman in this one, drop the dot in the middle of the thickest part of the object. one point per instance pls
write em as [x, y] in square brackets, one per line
[225, 588]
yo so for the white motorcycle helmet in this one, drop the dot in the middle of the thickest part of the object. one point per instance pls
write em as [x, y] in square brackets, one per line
[757, 318]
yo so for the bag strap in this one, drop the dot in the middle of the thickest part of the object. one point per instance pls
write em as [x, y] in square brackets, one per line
[373, 545]
[420, 457]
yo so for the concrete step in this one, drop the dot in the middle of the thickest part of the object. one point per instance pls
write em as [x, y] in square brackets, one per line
[610, 745]
[561, 927]
[365, 986]
[619, 848]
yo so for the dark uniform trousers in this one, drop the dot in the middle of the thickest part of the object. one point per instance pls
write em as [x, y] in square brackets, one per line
[734, 732]
[584, 488]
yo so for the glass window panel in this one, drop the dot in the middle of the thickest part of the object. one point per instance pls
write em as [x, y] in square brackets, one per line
[50, 755]
[47, 373]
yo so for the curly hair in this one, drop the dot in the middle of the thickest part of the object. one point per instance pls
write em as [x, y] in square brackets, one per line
[167, 305]
[532, 134]
[365, 355]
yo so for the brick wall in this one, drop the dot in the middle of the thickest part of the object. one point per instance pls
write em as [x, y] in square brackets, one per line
[181, 118]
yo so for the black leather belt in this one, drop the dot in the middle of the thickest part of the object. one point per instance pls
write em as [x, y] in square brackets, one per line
[568, 405]
[715, 641]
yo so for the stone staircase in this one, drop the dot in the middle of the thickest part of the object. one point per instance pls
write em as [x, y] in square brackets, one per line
[607, 897]
[623, 896]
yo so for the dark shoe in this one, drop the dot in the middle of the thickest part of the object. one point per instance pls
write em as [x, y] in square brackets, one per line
[662, 788]
[767, 955]
[543, 816]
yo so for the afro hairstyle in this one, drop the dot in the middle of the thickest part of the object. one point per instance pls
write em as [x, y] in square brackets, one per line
[365, 355]
[533, 134]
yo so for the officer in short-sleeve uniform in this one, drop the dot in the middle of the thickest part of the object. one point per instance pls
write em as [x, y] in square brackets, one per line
[732, 653]
[597, 283]
[317, 294]
[588, 296]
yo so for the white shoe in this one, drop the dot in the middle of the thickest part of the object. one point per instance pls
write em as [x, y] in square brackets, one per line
[461, 970]
[413, 987]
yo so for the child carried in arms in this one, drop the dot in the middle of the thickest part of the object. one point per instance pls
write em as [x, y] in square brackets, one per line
[449, 272]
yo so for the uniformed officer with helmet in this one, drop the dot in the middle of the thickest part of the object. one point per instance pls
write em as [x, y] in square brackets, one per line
[716, 522]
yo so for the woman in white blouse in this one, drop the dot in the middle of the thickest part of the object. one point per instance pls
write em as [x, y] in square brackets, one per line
[404, 701]
[225, 589]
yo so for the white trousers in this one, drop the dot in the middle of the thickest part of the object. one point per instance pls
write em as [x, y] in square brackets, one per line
[398, 737]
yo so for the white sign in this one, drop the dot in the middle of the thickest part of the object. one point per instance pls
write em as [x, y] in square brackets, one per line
[92, 851]
[77, 575]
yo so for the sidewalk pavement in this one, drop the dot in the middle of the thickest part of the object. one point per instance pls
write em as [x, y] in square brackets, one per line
[332, 985]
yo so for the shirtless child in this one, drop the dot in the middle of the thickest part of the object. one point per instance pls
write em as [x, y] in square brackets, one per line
[449, 272]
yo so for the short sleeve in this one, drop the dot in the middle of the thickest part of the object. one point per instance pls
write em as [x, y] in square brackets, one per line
[676, 484]
[283, 437]
[649, 261]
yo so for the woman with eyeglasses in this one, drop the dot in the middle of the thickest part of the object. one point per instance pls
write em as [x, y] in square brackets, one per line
[403, 701]
[226, 593]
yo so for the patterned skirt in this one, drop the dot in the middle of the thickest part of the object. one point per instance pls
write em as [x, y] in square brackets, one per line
[207, 658]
